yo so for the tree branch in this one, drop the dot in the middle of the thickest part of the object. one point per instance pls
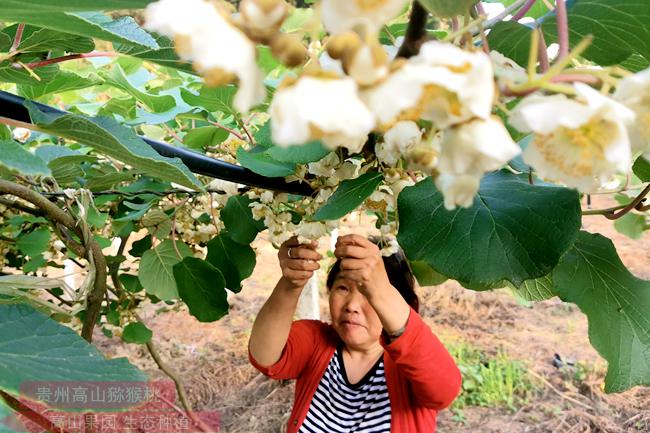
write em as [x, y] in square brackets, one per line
[415, 32]
[612, 214]
[29, 413]
[92, 249]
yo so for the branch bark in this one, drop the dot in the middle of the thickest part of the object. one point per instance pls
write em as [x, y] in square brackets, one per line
[93, 250]
[415, 32]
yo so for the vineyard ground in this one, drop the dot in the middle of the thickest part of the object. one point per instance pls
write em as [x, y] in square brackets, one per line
[212, 357]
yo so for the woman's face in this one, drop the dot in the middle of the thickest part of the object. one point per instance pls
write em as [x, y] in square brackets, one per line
[356, 322]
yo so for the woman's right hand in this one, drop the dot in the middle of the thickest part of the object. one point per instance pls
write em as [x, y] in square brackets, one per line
[298, 267]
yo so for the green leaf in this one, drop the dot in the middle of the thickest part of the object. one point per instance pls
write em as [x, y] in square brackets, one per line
[299, 154]
[235, 261]
[35, 6]
[592, 276]
[199, 138]
[109, 180]
[124, 107]
[34, 243]
[87, 24]
[635, 63]
[15, 157]
[631, 225]
[259, 161]
[67, 169]
[514, 231]
[157, 223]
[641, 169]
[136, 332]
[350, 194]
[425, 275]
[538, 289]
[155, 272]
[512, 40]
[165, 55]
[62, 82]
[36, 348]
[448, 8]
[131, 283]
[156, 103]
[34, 263]
[202, 288]
[109, 137]
[213, 99]
[609, 23]
[36, 39]
[11, 74]
[139, 247]
[238, 219]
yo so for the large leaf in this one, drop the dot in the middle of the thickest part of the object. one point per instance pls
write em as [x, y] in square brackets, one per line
[238, 219]
[136, 332]
[299, 154]
[87, 24]
[156, 269]
[34, 243]
[350, 194]
[36, 39]
[511, 39]
[156, 103]
[36, 348]
[35, 6]
[631, 225]
[10, 74]
[62, 82]
[199, 138]
[109, 137]
[213, 99]
[15, 157]
[592, 276]
[538, 289]
[259, 161]
[620, 28]
[202, 287]
[641, 169]
[514, 231]
[165, 55]
[235, 261]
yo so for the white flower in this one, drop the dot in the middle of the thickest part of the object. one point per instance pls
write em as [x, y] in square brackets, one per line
[476, 147]
[348, 170]
[58, 245]
[320, 108]
[398, 140]
[309, 231]
[266, 197]
[634, 92]
[21, 134]
[226, 186]
[360, 15]
[325, 166]
[262, 18]
[219, 50]
[506, 70]
[443, 84]
[581, 143]
[365, 60]
[458, 190]
[392, 247]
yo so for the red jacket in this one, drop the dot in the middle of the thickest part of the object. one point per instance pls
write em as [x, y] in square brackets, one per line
[421, 377]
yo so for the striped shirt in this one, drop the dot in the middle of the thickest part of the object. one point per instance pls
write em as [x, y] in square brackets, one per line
[341, 407]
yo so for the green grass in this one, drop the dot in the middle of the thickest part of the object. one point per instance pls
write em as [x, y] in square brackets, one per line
[496, 381]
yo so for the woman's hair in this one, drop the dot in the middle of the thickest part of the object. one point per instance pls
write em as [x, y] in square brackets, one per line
[399, 273]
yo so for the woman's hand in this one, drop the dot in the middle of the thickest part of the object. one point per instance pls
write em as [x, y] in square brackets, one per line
[298, 262]
[361, 262]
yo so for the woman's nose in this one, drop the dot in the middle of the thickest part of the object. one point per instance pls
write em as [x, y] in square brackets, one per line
[353, 301]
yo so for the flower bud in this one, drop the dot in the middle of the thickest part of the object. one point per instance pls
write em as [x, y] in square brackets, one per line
[263, 18]
[21, 134]
[288, 48]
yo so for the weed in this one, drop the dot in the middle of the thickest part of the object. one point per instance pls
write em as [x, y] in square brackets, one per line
[490, 381]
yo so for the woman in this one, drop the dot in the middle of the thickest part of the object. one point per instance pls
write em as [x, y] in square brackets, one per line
[376, 368]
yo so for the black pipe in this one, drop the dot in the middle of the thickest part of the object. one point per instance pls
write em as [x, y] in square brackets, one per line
[11, 107]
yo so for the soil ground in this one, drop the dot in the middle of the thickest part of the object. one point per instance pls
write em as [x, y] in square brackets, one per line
[212, 358]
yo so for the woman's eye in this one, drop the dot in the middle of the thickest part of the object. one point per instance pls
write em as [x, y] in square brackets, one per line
[343, 288]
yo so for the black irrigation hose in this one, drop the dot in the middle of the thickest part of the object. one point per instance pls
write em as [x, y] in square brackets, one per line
[11, 107]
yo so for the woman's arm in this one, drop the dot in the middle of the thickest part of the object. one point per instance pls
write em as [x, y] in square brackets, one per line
[273, 322]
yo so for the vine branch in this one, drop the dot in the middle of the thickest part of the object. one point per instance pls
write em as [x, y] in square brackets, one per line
[616, 212]
[42, 63]
[415, 32]
[92, 248]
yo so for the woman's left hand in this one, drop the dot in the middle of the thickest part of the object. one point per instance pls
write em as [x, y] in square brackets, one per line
[361, 262]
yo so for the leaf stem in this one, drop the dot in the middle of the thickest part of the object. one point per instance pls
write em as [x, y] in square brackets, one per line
[225, 128]
[524, 9]
[617, 212]
[54, 60]
[562, 28]
[17, 38]
[544, 64]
